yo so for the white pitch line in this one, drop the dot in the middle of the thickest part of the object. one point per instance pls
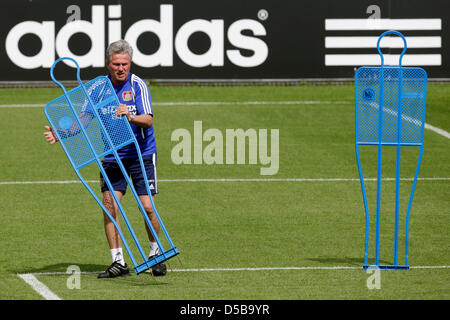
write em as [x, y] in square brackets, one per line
[298, 179]
[266, 269]
[225, 103]
[211, 269]
[240, 269]
[295, 268]
[235, 180]
[24, 105]
[415, 121]
[38, 286]
[204, 103]
[44, 291]
[437, 130]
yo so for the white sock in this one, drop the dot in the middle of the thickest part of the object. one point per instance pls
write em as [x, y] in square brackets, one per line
[117, 255]
[154, 249]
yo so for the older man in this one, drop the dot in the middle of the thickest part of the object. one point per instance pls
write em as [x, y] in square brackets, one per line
[135, 104]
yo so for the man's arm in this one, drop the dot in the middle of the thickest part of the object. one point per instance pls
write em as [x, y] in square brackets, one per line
[142, 120]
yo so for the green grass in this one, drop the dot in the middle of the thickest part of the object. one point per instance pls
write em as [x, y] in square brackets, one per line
[248, 224]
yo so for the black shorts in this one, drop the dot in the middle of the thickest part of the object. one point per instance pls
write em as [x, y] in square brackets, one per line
[133, 168]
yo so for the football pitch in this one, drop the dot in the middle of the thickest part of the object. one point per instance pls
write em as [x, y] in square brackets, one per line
[295, 233]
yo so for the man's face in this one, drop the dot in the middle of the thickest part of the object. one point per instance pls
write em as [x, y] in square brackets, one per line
[119, 67]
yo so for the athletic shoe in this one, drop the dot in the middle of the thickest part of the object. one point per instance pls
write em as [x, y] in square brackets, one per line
[115, 270]
[159, 269]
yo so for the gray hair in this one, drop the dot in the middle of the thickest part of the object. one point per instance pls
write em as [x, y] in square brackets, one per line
[120, 46]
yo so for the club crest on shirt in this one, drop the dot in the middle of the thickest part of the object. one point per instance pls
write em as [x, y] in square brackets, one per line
[127, 95]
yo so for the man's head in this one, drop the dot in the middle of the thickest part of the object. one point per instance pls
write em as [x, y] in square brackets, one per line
[118, 61]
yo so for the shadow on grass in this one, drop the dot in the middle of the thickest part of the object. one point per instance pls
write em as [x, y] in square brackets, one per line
[346, 260]
[63, 267]
[145, 278]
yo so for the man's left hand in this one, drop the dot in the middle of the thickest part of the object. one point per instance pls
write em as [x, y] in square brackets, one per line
[122, 109]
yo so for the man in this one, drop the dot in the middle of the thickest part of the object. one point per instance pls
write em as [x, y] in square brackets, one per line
[135, 104]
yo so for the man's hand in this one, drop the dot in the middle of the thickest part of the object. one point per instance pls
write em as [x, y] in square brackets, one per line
[50, 135]
[122, 109]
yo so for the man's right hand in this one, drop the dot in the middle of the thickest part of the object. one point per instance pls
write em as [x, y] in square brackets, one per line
[50, 135]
